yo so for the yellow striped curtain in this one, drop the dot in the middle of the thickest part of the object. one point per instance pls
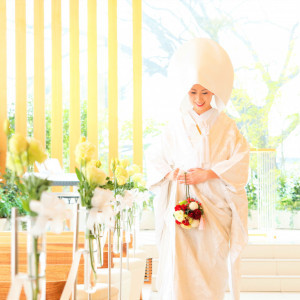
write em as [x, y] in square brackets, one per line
[21, 78]
[39, 128]
[137, 82]
[3, 83]
[74, 80]
[40, 80]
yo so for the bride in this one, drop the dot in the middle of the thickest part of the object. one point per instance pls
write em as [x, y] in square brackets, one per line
[203, 148]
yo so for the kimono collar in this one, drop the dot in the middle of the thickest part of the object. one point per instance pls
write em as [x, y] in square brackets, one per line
[205, 121]
[204, 117]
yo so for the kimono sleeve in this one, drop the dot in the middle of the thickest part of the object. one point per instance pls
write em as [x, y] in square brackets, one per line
[234, 170]
[158, 159]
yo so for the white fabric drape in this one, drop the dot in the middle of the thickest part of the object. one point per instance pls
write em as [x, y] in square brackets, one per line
[193, 263]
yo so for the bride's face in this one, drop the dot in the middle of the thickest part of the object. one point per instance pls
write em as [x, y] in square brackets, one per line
[200, 98]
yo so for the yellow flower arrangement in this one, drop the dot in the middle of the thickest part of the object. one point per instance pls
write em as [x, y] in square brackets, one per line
[35, 152]
[95, 175]
[113, 164]
[95, 163]
[18, 144]
[14, 164]
[124, 163]
[91, 177]
[22, 154]
[133, 169]
[121, 175]
[84, 153]
[137, 178]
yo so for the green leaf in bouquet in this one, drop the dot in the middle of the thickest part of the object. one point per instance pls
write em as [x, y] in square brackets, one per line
[35, 186]
[78, 173]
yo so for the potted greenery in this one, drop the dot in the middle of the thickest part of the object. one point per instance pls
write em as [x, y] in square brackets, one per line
[288, 203]
[10, 196]
[252, 205]
[295, 202]
[283, 213]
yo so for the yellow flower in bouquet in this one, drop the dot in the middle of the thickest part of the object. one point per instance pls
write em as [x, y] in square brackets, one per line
[121, 180]
[179, 215]
[120, 171]
[137, 178]
[114, 163]
[95, 163]
[124, 163]
[18, 144]
[95, 175]
[84, 152]
[186, 226]
[121, 175]
[133, 169]
[35, 152]
[195, 223]
[14, 164]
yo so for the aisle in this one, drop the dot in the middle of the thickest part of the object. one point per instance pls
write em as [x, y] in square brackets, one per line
[149, 295]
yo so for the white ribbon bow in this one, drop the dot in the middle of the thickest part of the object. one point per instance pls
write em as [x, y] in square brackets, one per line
[49, 208]
[101, 201]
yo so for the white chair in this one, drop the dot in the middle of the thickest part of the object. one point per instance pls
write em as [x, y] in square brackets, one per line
[50, 166]
[102, 277]
[100, 294]
[137, 269]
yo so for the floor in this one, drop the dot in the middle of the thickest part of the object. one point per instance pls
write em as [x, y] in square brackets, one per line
[283, 236]
[255, 237]
[149, 295]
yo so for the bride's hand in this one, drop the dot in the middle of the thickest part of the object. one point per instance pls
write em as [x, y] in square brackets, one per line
[197, 175]
[172, 175]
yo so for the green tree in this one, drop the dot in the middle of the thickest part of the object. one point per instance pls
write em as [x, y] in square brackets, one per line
[252, 119]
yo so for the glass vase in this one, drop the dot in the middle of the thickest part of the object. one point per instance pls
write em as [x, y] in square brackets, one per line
[100, 236]
[36, 262]
[128, 224]
[118, 236]
[90, 258]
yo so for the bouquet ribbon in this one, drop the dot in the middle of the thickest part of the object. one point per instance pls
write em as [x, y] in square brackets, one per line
[49, 208]
[100, 202]
[95, 218]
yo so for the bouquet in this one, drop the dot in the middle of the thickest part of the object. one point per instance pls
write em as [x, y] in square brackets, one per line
[189, 213]
[128, 186]
[40, 205]
[96, 196]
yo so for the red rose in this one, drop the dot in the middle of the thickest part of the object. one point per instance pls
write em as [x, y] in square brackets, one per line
[177, 207]
[185, 222]
[191, 214]
[177, 222]
[197, 214]
[184, 206]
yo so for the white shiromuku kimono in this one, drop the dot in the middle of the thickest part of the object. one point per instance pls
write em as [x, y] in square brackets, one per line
[193, 264]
